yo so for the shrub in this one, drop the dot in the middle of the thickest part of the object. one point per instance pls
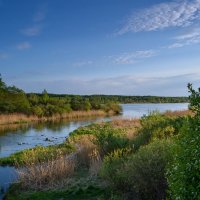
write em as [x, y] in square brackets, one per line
[184, 171]
[109, 139]
[37, 110]
[112, 163]
[112, 107]
[157, 126]
[142, 173]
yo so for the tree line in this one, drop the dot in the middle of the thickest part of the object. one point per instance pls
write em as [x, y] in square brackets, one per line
[15, 100]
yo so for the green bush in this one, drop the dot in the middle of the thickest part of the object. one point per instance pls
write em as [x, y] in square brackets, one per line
[184, 171]
[142, 173]
[112, 107]
[157, 126]
[37, 110]
[109, 139]
[112, 163]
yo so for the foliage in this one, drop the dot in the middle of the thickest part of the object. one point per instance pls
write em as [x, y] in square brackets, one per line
[75, 193]
[112, 107]
[109, 139]
[14, 100]
[194, 99]
[112, 163]
[158, 126]
[106, 138]
[142, 173]
[184, 171]
[37, 154]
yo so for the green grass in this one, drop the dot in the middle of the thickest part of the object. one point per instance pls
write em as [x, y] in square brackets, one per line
[37, 154]
[90, 192]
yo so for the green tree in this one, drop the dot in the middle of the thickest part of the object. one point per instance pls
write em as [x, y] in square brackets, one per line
[2, 84]
[45, 97]
[184, 171]
[86, 105]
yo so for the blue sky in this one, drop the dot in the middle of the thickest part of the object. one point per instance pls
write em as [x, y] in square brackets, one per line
[127, 47]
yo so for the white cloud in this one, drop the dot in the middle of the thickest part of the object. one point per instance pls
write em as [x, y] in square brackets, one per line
[189, 38]
[82, 63]
[134, 57]
[24, 45]
[32, 31]
[180, 13]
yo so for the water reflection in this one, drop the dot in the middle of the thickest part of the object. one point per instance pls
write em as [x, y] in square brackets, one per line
[14, 138]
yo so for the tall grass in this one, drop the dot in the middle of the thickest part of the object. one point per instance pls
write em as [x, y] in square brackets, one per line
[21, 118]
[178, 113]
[47, 175]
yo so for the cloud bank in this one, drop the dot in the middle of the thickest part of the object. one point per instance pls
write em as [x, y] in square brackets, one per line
[122, 85]
[180, 13]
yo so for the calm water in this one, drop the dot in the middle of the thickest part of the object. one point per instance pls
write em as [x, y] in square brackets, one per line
[138, 110]
[17, 138]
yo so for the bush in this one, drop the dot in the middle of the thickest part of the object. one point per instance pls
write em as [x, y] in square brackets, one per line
[184, 171]
[157, 126]
[37, 110]
[112, 163]
[112, 107]
[142, 173]
[109, 139]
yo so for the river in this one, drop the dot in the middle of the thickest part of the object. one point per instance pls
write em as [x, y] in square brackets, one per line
[19, 137]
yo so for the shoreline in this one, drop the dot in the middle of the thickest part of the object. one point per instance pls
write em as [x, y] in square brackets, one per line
[18, 118]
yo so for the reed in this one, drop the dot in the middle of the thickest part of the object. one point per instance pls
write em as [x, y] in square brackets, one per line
[47, 175]
[16, 118]
[179, 113]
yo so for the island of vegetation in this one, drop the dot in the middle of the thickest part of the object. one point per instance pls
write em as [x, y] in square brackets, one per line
[152, 158]
[16, 106]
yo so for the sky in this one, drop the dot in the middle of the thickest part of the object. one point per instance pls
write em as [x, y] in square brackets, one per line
[123, 47]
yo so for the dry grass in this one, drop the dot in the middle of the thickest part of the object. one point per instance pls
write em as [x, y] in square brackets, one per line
[85, 147]
[21, 118]
[129, 126]
[16, 118]
[179, 113]
[125, 123]
[95, 163]
[47, 175]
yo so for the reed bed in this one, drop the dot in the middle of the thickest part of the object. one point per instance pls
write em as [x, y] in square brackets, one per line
[179, 113]
[22, 118]
[47, 175]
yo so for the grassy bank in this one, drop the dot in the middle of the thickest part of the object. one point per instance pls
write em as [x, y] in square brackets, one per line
[18, 118]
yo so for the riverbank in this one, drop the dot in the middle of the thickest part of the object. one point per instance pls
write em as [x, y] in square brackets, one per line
[18, 118]
[84, 166]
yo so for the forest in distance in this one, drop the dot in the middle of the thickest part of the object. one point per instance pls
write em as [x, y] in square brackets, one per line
[15, 100]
